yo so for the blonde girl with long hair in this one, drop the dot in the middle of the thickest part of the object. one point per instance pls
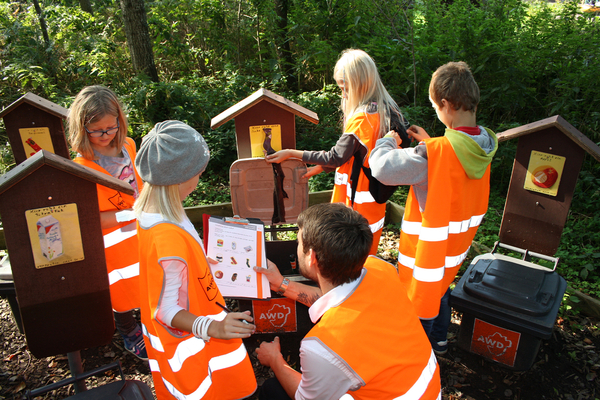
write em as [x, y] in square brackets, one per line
[368, 110]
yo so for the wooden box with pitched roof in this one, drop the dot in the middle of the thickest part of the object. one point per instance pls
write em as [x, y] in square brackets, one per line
[51, 219]
[262, 113]
[266, 121]
[549, 156]
[34, 123]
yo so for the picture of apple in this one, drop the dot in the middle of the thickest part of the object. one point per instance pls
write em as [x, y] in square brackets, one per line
[544, 176]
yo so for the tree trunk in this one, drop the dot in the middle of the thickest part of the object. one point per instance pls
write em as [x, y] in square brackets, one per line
[138, 37]
[38, 10]
[284, 52]
[86, 6]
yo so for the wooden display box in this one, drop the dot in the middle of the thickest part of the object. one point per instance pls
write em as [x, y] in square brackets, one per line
[34, 123]
[549, 156]
[51, 220]
[263, 113]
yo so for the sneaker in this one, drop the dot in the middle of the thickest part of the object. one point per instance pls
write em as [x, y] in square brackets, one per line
[134, 343]
[440, 348]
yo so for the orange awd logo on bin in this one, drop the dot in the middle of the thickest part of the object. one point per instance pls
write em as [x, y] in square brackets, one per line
[494, 342]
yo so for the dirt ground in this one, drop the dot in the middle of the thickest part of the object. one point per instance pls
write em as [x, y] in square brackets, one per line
[566, 366]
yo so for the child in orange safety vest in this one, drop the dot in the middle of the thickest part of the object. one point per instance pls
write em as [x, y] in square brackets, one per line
[368, 109]
[195, 348]
[98, 133]
[448, 198]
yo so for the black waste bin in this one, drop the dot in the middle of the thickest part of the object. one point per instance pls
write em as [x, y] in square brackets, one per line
[509, 306]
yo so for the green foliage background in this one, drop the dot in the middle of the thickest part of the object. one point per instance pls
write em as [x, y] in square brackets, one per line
[531, 59]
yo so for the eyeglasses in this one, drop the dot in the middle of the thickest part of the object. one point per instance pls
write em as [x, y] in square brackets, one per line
[100, 133]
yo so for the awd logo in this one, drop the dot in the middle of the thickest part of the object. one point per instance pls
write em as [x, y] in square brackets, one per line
[274, 315]
[494, 342]
[277, 315]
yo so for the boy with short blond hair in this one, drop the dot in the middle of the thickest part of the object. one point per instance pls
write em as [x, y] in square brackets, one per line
[449, 178]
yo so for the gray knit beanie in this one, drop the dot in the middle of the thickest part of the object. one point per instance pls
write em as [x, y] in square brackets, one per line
[171, 153]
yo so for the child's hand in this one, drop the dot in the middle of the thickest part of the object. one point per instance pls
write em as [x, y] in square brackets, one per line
[232, 326]
[417, 133]
[312, 171]
[279, 156]
[394, 134]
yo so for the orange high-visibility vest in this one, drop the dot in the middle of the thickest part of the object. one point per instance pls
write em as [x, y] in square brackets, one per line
[433, 244]
[120, 242]
[382, 341]
[184, 366]
[365, 127]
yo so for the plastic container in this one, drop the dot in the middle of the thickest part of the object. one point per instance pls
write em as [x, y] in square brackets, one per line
[252, 186]
[509, 306]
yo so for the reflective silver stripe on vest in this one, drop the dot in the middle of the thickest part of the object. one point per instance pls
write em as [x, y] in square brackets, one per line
[130, 271]
[215, 364]
[154, 340]
[153, 365]
[340, 179]
[120, 235]
[420, 387]
[406, 261]
[463, 226]
[377, 225]
[191, 346]
[439, 234]
[185, 349]
[455, 261]
[428, 274]
[410, 227]
[361, 197]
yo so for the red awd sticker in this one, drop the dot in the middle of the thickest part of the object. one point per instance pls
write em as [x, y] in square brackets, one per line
[494, 342]
[275, 315]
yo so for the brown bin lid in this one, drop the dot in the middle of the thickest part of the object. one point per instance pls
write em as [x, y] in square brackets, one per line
[252, 184]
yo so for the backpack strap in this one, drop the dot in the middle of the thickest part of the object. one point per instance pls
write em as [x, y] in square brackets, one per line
[354, 174]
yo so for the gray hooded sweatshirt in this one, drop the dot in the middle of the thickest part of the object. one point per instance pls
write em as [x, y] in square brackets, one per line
[393, 166]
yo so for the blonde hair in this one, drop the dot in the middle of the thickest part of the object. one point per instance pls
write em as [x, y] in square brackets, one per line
[455, 83]
[160, 199]
[363, 86]
[93, 103]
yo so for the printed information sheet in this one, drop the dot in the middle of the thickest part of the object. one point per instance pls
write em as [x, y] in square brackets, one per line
[237, 247]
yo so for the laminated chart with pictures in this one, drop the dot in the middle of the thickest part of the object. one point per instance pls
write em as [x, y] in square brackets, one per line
[237, 246]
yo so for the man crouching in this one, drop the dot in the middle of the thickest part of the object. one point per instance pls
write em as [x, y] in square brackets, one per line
[367, 339]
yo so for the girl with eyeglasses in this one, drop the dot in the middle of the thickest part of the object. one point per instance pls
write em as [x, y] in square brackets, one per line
[98, 133]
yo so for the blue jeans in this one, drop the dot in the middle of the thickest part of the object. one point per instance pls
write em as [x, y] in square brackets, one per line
[272, 390]
[437, 328]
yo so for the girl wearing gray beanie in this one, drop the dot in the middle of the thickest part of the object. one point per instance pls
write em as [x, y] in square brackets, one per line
[195, 346]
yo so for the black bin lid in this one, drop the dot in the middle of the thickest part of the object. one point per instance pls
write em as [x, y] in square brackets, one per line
[531, 291]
